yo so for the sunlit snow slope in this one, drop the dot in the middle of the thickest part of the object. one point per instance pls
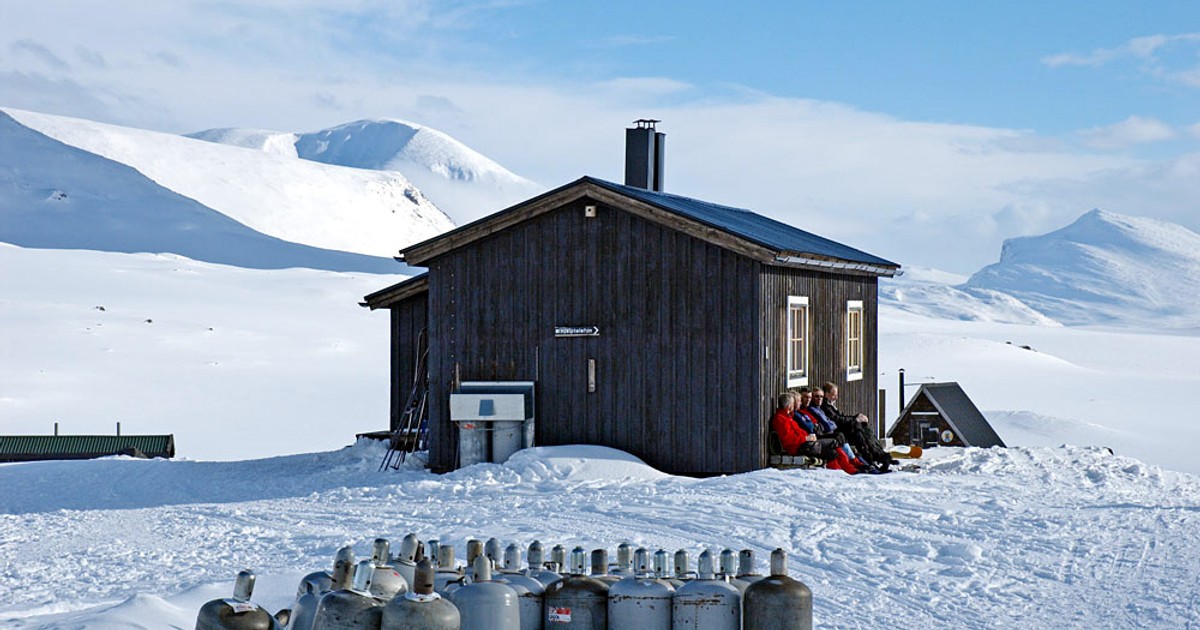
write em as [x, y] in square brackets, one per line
[322, 205]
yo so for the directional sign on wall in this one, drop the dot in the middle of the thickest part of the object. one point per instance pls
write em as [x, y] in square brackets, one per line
[576, 331]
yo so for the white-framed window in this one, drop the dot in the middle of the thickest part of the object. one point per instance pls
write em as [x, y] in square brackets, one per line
[854, 340]
[796, 341]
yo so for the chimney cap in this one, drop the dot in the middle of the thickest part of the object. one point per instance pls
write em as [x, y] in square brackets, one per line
[646, 123]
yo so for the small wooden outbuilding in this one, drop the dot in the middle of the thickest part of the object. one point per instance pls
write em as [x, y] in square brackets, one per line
[28, 448]
[941, 414]
[657, 324]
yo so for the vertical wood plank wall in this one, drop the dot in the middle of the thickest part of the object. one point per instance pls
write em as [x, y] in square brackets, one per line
[677, 383]
[828, 295]
[408, 319]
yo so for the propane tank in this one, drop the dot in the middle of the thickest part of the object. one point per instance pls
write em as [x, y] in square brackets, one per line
[405, 562]
[485, 604]
[577, 601]
[237, 612]
[640, 601]
[305, 608]
[448, 577]
[494, 550]
[537, 565]
[421, 608]
[530, 592]
[778, 602]
[624, 567]
[705, 602]
[683, 572]
[431, 549]
[600, 567]
[746, 567]
[387, 581]
[474, 550]
[558, 555]
[662, 568]
[353, 608]
[728, 573]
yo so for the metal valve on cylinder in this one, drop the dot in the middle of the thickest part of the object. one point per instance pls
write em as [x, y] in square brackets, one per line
[421, 608]
[387, 581]
[729, 566]
[683, 571]
[746, 567]
[641, 600]
[237, 612]
[304, 610]
[624, 561]
[662, 568]
[706, 603]
[405, 561]
[600, 567]
[778, 602]
[537, 565]
[353, 608]
[448, 576]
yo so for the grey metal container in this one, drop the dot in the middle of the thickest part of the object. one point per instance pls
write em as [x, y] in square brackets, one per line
[577, 601]
[530, 592]
[237, 612]
[405, 562]
[778, 602]
[387, 581]
[624, 565]
[448, 577]
[706, 603]
[494, 550]
[421, 608]
[600, 567]
[351, 609]
[537, 565]
[304, 610]
[640, 601]
[729, 564]
[746, 567]
[485, 604]
[662, 568]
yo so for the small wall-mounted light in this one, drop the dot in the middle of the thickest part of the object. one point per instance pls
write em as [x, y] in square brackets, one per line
[589, 212]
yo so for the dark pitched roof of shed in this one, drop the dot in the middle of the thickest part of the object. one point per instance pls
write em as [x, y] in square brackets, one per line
[398, 292]
[766, 239]
[956, 407]
[28, 447]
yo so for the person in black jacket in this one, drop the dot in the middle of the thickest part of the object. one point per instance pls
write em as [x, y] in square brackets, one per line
[854, 427]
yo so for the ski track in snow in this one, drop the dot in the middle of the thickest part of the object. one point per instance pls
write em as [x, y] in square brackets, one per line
[1070, 537]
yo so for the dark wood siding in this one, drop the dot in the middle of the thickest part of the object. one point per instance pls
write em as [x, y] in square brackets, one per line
[902, 431]
[828, 295]
[408, 322]
[677, 381]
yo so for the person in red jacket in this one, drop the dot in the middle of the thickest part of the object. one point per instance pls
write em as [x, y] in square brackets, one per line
[796, 441]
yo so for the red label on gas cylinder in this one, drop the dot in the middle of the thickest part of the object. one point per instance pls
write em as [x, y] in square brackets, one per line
[559, 615]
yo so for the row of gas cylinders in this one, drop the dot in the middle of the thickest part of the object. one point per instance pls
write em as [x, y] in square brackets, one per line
[412, 591]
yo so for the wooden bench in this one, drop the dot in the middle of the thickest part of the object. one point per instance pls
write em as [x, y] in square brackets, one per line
[776, 458]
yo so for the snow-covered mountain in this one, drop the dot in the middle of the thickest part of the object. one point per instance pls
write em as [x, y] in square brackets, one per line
[459, 179]
[124, 184]
[1104, 268]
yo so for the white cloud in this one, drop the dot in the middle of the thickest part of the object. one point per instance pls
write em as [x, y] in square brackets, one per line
[1148, 52]
[1129, 132]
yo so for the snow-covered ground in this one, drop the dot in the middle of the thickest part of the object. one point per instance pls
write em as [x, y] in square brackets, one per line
[263, 374]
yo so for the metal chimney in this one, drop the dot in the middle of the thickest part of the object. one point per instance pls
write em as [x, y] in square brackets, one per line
[644, 154]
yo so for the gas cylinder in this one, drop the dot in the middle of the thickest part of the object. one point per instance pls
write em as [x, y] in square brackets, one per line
[778, 602]
[537, 565]
[353, 608]
[600, 567]
[421, 608]
[558, 555]
[577, 601]
[746, 567]
[662, 568]
[728, 571]
[405, 561]
[474, 550]
[706, 603]
[431, 549]
[305, 608]
[530, 592]
[485, 604]
[237, 612]
[624, 566]
[448, 577]
[683, 571]
[387, 581]
[494, 550]
[640, 601]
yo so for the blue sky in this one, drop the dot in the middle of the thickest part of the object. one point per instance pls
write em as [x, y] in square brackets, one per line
[931, 130]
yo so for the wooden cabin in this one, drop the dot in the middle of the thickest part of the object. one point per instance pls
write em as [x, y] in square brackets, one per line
[941, 414]
[660, 325]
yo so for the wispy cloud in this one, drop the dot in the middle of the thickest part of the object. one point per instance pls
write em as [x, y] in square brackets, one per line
[1149, 52]
[40, 52]
[1129, 132]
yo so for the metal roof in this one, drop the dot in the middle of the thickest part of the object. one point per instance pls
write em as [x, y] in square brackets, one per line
[38, 447]
[398, 292]
[748, 225]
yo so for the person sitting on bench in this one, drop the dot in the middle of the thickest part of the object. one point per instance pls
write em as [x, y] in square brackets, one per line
[854, 427]
[794, 440]
[809, 407]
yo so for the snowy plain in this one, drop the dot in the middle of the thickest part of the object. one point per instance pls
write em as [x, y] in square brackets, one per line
[265, 404]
